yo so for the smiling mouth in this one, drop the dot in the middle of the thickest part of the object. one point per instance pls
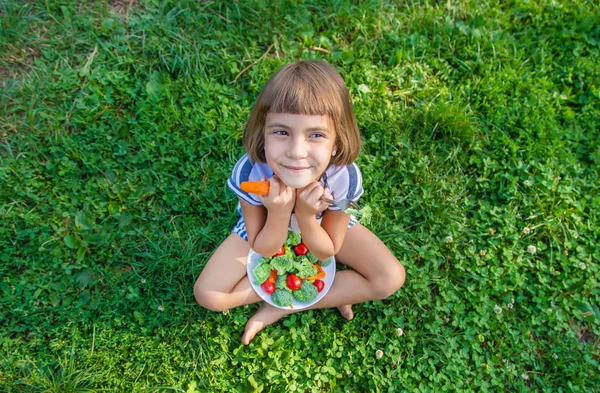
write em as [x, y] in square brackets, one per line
[296, 168]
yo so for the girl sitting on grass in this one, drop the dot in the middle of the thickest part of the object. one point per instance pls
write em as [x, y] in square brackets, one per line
[303, 137]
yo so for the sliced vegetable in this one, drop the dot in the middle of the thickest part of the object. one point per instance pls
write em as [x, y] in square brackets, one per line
[261, 272]
[273, 276]
[293, 282]
[280, 284]
[282, 297]
[325, 262]
[307, 293]
[292, 273]
[293, 239]
[311, 257]
[319, 285]
[304, 268]
[283, 264]
[255, 187]
[364, 215]
[279, 252]
[320, 275]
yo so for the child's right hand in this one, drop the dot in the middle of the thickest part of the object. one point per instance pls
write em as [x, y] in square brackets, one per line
[281, 198]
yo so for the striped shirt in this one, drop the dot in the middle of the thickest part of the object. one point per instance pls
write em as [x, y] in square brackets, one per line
[341, 181]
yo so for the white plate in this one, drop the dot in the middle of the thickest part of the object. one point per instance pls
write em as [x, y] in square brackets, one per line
[253, 258]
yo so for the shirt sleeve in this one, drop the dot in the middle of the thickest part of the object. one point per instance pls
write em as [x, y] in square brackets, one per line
[241, 172]
[346, 184]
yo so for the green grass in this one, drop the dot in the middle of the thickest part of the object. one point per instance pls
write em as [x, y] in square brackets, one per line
[119, 127]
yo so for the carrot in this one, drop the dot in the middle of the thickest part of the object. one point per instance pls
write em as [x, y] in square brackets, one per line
[320, 275]
[255, 187]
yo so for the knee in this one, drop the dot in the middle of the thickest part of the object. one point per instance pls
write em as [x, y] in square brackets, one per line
[392, 280]
[209, 299]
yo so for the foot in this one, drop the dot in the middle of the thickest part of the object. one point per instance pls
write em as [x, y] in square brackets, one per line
[265, 316]
[346, 311]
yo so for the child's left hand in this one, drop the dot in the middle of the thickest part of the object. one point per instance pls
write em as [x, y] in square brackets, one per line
[308, 200]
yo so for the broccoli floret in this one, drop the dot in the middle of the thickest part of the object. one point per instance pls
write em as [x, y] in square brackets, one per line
[281, 282]
[363, 215]
[290, 253]
[283, 264]
[306, 293]
[283, 297]
[261, 272]
[304, 267]
[263, 260]
[314, 259]
[311, 257]
[293, 239]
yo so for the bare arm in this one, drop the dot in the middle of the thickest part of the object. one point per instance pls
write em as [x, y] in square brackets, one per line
[266, 232]
[323, 240]
[267, 225]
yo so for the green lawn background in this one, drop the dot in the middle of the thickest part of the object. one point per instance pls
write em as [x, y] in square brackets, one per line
[120, 122]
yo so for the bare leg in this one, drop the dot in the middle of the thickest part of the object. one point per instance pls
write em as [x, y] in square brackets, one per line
[223, 283]
[377, 274]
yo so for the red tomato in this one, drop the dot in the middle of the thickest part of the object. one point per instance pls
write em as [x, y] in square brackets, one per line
[300, 249]
[268, 287]
[319, 284]
[273, 276]
[293, 282]
[279, 252]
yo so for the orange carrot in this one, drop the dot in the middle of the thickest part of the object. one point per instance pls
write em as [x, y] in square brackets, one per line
[320, 275]
[255, 187]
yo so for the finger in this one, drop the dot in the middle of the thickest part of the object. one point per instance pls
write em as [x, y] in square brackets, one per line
[306, 191]
[314, 196]
[273, 186]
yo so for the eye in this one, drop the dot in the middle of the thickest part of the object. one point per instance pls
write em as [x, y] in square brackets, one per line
[317, 135]
[280, 132]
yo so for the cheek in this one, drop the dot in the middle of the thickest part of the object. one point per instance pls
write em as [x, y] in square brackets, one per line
[323, 153]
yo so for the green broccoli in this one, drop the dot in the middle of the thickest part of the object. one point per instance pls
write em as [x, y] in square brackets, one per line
[281, 282]
[363, 215]
[283, 264]
[304, 267]
[314, 259]
[261, 272]
[307, 292]
[283, 297]
[311, 257]
[293, 239]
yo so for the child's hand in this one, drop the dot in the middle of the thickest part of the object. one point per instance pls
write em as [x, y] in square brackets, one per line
[281, 198]
[308, 200]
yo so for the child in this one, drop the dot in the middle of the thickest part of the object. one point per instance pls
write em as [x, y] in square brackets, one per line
[302, 136]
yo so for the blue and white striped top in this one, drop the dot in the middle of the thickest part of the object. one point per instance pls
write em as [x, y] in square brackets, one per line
[342, 181]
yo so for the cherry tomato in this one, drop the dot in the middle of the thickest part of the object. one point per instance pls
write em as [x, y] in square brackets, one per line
[293, 282]
[319, 284]
[268, 287]
[279, 252]
[273, 276]
[300, 249]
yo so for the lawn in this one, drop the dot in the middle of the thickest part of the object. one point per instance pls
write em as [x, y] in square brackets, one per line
[121, 120]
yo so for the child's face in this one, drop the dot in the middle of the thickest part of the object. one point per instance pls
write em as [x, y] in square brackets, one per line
[298, 147]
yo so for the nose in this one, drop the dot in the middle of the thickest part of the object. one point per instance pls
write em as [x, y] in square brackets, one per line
[298, 148]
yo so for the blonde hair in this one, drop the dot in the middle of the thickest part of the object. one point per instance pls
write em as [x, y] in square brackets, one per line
[306, 88]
